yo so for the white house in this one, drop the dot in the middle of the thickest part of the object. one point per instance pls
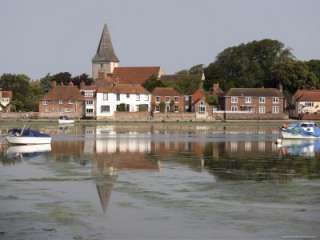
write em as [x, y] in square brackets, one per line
[89, 95]
[121, 97]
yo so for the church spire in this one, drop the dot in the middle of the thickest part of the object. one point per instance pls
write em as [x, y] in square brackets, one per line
[105, 52]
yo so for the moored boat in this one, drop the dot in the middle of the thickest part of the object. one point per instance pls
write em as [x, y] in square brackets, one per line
[65, 120]
[27, 136]
[301, 130]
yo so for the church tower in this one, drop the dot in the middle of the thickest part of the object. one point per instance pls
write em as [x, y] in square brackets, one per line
[105, 60]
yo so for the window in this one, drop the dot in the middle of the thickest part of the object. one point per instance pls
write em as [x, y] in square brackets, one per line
[202, 107]
[234, 99]
[45, 102]
[275, 100]
[157, 99]
[176, 108]
[128, 95]
[118, 96]
[70, 102]
[262, 100]
[105, 96]
[308, 104]
[138, 97]
[262, 109]
[247, 100]
[157, 108]
[176, 99]
[60, 102]
[275, 109]
[88, 94]
[167, 99]
[234, 108]
[105, 108]
[89, 102]
[146, 97]
[89, 110]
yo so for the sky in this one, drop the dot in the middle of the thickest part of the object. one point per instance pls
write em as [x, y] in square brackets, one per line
[38, 37]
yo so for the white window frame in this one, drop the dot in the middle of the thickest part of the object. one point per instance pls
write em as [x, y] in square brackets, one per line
[176, 108]
[138, 97]
[45, 102]
[146, 97]
[105, 96]
[248, 99]
[157, 108]
[89, 102]
[275, 109]
[202, 107]
[262, 100]
[234, 99]
[275, 100]
[308, 104]
[176, 99]
[60, 102]
[262, 111]
[157, 99]
[234, 108]
[167, 98]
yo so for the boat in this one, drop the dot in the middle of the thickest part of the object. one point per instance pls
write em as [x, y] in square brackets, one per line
[65, 120]
[28, 151]
[301, 130]
[27, 136]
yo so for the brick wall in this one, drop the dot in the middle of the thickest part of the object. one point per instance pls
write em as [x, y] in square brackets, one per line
[254, 116]
[53, 109]
[179, 103]
[254, 104]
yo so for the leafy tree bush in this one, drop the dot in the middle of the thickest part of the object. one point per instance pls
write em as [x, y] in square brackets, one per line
[162, 106]
[143, 108]
[152, 83]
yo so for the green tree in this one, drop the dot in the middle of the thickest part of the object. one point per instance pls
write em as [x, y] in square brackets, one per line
[82, 78]
[19, 85]
[62, 78]
[162, 106]
[45, 83]
[152, 83]
[294, 75]
[314, 66]
[212, 100]
[246, 65]
[188, 84]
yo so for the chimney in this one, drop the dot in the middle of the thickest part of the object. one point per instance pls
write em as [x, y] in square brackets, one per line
[215, 88]
[53, 84]
[82, 84]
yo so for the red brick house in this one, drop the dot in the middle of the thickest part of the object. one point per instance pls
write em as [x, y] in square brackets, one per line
[199, 103]
[266, 103]
[307, 104]
[5, 100]
[172, 100]
[62, 100]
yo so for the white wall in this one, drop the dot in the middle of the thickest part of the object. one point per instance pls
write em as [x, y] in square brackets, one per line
[113, 102]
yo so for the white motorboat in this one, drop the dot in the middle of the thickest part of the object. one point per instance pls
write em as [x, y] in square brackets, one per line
[301, 130]
[65, 120]
[27, 136]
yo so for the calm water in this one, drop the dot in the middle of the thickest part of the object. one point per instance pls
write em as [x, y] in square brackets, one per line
[160, 182]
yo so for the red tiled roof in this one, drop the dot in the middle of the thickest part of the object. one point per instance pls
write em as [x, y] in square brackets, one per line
[198, 95]
[135, 75]
[162, 91]
[123, 88]
[63, 92]
[6, 94]
[307, 95]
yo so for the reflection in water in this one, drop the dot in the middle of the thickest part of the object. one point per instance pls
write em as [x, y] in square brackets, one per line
[108, 152]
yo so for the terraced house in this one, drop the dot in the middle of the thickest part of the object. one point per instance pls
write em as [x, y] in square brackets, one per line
[62, 100]
[254, 103]
[167, 100]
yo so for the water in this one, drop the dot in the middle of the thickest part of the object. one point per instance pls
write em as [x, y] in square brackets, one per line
[161, 181]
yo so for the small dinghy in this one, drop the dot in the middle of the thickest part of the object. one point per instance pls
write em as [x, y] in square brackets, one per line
[301, 130]
[65, 120]
[27, 136]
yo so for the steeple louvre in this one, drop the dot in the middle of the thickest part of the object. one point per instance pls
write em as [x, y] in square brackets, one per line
[105, 52]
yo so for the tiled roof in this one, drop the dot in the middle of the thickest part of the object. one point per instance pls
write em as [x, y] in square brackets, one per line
[105, 52]
[6, 94]
[123, 88]
[307, 95]
[135, 75]
[63, 92]
[254, 92]
[162, 91]
[198, 95]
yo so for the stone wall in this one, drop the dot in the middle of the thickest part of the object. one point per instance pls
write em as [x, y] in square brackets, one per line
[19, 115]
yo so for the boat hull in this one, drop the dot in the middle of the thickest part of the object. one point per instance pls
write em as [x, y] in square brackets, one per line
[28, 140]
[65, 121]
[287, 135]
[34, 148]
